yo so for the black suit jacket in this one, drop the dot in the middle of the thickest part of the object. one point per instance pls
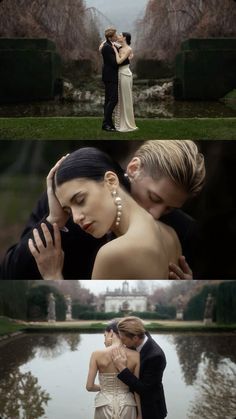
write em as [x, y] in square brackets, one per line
[80, 249]
[110, 66]
[149, 384]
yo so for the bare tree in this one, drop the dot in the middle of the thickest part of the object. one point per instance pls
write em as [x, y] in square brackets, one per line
[167, 23]
[66, 23]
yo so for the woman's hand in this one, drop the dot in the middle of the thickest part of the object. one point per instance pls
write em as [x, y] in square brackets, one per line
[49, 258]
[101, 46]
[183, 271]
[56, 213]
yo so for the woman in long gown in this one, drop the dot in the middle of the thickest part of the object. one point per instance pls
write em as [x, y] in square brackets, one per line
[124, 111]
[90, 186]
[113, 400]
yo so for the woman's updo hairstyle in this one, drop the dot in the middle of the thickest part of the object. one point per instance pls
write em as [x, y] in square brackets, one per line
[127, 36]
[113, 326]
[89, 163]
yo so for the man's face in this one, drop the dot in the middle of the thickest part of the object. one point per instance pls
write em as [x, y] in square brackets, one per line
[114, 38]
[132, 342]
[158, 197]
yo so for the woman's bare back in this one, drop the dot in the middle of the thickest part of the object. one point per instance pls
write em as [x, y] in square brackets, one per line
[105, 363]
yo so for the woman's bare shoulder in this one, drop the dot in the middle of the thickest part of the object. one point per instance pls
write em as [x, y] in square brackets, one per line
[110, 259]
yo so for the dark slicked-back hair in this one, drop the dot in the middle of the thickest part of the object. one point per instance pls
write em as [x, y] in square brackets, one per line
[113, 326]
[89, 163]
[127, 36]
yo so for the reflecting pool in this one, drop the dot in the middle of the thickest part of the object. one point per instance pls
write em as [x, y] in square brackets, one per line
[44, 375]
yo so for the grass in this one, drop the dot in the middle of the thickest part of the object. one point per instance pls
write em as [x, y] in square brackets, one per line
[7, 326]
[89, 128]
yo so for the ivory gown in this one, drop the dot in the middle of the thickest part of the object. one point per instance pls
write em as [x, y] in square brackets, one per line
[124, 111]
[114, 401]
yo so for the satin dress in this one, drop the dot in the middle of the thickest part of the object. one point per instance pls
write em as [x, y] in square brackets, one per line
[124, 111]
[114, 401]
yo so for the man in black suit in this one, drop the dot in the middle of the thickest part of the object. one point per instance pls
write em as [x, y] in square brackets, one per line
[157, 195]
[110, 79]
[152, 364]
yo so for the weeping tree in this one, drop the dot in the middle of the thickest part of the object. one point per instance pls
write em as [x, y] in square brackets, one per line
[13, 298]
[167, 23]
[68, 23]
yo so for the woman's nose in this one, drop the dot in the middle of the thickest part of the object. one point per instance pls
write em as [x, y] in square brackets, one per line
[77, 216]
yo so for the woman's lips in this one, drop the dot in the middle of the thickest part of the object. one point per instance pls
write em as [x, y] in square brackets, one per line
[87, 226]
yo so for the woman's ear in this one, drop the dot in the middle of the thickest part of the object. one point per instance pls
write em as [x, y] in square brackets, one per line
[111, 179]
[133, 168]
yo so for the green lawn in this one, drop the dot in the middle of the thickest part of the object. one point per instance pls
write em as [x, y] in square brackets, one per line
[7, 326]
[89, 128]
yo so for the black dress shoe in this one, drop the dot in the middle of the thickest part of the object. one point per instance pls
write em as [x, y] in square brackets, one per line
[108, 128]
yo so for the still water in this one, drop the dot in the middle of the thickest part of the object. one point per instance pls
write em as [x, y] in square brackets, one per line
[44, 375]
[143, 109]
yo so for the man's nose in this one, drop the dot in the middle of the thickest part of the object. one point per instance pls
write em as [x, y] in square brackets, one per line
[157, 211]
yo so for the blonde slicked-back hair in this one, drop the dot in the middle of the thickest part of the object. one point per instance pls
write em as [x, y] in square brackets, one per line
[178, 160]
[110, 32]
[131, 326]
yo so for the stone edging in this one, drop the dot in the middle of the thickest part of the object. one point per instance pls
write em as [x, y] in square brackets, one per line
[10, 335]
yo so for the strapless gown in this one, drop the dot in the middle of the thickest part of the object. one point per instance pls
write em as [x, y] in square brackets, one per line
[124, 112]
[114, 401]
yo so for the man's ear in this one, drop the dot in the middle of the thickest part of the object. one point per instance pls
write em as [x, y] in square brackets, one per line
[111, 179]
[134, 167]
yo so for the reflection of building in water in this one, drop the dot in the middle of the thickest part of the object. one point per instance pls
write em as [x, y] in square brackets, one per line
[124, 299]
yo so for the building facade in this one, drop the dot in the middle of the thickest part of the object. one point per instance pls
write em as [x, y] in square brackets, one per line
[125, 300]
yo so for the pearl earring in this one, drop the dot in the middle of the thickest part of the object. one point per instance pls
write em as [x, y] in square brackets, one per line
[119, 207]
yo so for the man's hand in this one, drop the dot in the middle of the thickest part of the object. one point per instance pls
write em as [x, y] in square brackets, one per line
[49, 258]
[119, 358]
[183, 271]
[56, 213]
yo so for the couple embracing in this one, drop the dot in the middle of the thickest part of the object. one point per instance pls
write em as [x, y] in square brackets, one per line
[130, 371]
[118, 80]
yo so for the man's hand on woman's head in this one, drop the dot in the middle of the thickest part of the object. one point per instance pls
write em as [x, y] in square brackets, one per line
[183, 271]
[49, 256]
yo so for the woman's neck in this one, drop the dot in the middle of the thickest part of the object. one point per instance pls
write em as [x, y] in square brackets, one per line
[130, 209]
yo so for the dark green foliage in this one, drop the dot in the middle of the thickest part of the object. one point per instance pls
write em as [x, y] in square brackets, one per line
[196, 306]
[153, 69]
[161, 313]
[93, 315]
[226, 302]
[205, 69]
[13, 300]
[75, 69]
[37, 302]
[29, 70]
[168, 312]
[78, 309]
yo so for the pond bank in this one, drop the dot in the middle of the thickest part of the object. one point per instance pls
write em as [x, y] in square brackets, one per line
[161, 326]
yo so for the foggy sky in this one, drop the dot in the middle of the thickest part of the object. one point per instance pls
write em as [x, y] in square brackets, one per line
[100, 286]
[121, 13]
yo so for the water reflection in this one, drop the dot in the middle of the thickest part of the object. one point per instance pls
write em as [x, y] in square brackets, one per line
[192, 350]
[51, 370]
[216, 392]
[22, 397]
[143, 109]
